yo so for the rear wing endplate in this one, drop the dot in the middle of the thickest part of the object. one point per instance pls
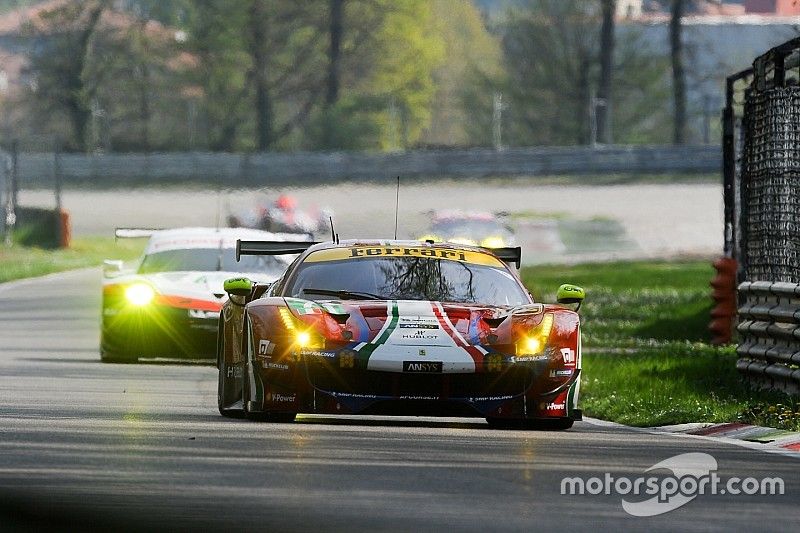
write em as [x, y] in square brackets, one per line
[271, 247]
[134, 233]
[508, 254]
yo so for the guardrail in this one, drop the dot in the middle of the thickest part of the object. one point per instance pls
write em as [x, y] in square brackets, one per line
[769, 326]
[280, 169]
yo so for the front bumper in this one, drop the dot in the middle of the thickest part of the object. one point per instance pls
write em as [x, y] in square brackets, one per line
[313, 385]
[159, 331]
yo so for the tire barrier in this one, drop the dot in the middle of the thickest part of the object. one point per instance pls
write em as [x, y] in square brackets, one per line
[761, 167]
[769, 329]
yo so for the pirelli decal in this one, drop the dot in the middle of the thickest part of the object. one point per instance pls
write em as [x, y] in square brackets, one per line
[366, 252]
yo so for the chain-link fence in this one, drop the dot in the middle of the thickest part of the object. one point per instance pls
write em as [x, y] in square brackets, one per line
[762, 213]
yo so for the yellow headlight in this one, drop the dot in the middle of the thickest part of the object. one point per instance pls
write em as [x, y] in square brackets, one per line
[140, 294]
[536, 341]
[303, 339]
[533, 345]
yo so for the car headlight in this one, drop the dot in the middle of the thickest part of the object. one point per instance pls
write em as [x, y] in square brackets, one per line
[140, 294]
[304, 337]
[535, 342]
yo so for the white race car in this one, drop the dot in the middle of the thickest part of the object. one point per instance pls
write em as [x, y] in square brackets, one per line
[168, 304]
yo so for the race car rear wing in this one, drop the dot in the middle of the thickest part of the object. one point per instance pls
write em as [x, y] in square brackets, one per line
[134, 233]
[508, 254]
[271, 247]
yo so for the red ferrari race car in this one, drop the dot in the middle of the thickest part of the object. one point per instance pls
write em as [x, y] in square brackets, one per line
[398, 327]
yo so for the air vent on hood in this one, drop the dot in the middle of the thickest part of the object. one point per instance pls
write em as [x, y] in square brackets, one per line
[340, 318]
[219, 294]
[494, 322]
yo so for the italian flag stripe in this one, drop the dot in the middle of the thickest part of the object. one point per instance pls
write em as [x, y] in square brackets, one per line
[392, 317]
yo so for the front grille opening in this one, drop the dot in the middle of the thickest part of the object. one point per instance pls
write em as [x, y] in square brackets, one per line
[511, 382]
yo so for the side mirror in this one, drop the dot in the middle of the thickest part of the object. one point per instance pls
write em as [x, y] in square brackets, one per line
[112, 267]
[570, 294]
[238, 286]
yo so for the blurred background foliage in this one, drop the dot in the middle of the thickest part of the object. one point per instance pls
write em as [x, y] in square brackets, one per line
[257, 75]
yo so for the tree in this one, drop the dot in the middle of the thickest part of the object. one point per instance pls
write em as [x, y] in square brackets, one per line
[258, 25]
[604, 93]
[383, 77]
[552, 69]
[678, 73]
[470, 56]
[335, 31]
[59, 65]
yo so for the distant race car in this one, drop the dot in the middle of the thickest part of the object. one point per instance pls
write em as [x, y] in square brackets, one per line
[168, 304]
[398, 327]
[473, 228]
[284, 216]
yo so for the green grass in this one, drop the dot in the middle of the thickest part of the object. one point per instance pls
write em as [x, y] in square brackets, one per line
[647, 361]
[17, 262]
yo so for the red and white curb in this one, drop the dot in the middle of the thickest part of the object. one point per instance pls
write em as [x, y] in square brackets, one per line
[767, 437]
[769, 440]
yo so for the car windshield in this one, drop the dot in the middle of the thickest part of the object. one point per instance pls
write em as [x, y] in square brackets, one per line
[209, 260]
[409, 278]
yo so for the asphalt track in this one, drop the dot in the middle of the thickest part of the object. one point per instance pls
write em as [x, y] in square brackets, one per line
[85, 445]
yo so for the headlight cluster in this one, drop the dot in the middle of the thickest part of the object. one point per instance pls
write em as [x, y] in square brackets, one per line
[535, 342]
[302, 335]
[140, 294]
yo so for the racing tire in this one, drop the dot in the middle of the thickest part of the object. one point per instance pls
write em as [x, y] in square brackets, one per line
[221, 381]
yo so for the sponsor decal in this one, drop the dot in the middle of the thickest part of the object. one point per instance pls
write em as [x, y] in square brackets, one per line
[281, 398]
[556, 406]
[568, 354]
[265, 347]
[422, 352]
[352, 395]
[415, 325]
[419, 335]
[561, 373]
[274, 366]
[232, 371]
[347, 359]
[490, 398]
[419, 397]
[528, 358]
[317, 353]
[494, 362]
[422, 366]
